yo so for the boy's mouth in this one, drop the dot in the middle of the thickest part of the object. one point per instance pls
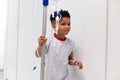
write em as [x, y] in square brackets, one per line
[66, 30]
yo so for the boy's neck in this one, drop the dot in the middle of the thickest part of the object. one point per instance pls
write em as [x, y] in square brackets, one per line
[59, 38]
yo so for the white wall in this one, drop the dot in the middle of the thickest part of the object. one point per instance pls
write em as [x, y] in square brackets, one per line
[3, 17]
[94, 41]
[29, 30]
[113, 66]
[11, 41]
[89, 32]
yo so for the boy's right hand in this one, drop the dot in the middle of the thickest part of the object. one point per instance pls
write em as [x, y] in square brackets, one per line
[42, 40]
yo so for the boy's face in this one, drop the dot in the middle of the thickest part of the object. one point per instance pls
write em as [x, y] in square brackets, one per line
[64, 26]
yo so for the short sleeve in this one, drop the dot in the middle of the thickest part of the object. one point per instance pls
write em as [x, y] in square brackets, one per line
[72, 46]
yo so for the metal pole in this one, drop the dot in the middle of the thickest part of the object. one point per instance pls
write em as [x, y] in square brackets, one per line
[45, 4]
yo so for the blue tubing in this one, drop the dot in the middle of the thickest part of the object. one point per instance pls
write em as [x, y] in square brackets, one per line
[34, 67]
[45, 2]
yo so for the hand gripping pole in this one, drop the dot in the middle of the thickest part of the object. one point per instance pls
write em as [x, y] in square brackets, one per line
[45, 4]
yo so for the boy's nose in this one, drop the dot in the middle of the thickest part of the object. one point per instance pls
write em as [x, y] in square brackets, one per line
[67, 26]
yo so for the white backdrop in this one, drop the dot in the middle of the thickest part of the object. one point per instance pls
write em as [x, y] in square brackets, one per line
[113, 63]
[3, 17]
[92, 31]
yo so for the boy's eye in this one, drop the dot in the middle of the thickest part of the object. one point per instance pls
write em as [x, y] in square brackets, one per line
[69, 24]
[63, 24]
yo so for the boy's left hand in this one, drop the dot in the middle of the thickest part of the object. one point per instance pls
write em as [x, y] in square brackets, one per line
[79, 64]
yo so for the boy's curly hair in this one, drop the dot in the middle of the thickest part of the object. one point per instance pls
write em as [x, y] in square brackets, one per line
[63, 13]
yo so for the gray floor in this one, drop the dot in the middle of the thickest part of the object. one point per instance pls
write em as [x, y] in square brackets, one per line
[1, 75]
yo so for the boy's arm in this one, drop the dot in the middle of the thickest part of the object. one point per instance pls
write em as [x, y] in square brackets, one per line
[41, 42]
[38, 51]
[71, 61]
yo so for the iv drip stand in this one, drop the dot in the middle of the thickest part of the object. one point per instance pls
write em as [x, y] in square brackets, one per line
[45, 4]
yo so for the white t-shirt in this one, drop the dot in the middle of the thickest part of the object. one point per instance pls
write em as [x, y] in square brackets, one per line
[57, 53]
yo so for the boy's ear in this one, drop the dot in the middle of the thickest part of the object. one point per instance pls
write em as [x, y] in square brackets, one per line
[53, 25]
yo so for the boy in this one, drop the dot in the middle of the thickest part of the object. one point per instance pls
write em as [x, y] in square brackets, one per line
[59, 48]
